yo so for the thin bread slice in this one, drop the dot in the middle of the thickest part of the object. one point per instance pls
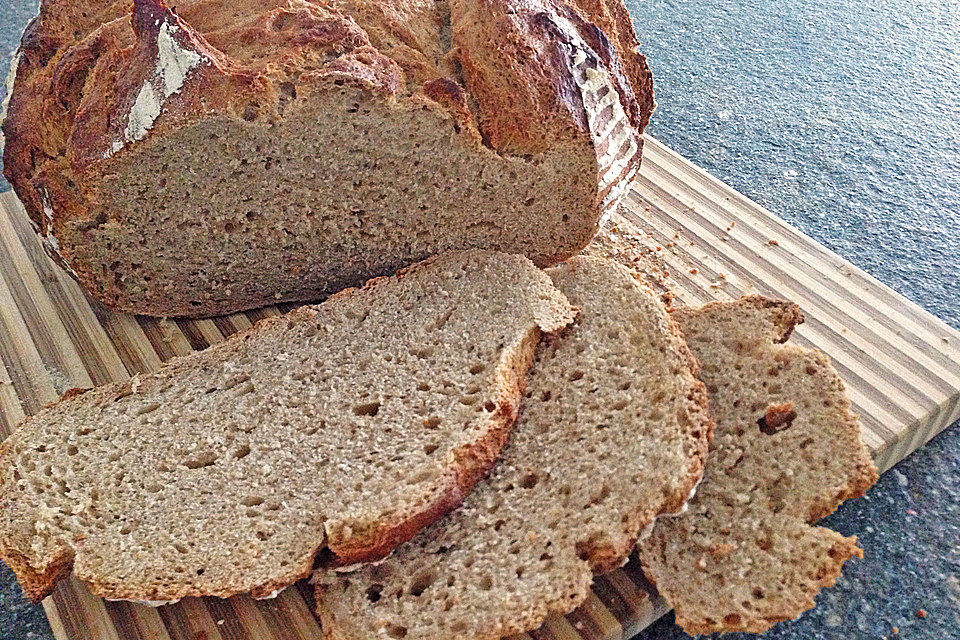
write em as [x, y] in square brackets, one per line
[786, 453]
[612, 433]
[347, 426]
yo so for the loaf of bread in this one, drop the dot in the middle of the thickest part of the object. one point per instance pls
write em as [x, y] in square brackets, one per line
[221, 155]
[613, 432]
[786, 453]
[346, 426]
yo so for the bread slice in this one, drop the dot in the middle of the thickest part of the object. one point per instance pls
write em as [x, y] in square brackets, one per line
[786, 453]
[207, 156]
[346, 426]
[612, 433]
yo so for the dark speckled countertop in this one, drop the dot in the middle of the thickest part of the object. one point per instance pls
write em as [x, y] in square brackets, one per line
[844, 117]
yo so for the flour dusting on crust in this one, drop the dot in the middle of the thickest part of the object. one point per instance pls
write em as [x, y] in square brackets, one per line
[174, 64]
[144, 112]
[173, 61]
[47, 239]
[610, 127]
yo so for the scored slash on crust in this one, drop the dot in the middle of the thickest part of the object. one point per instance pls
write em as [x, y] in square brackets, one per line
[598, 78]
[158, 28]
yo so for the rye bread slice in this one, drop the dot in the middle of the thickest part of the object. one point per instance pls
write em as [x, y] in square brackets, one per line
[786, 453]
[613, 432]
[347, 426]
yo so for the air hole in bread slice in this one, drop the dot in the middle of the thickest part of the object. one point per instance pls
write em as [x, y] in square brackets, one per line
[369, 409]
[374, 592]
[422, 581]
[200, 460]
[778, 418]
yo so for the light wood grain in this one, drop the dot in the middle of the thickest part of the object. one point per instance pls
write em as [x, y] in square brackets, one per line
[900, 364]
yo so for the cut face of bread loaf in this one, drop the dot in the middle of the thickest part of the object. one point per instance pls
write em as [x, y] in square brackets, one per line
[613, 432]
[786, 453]
[347, 426]
[238, 153]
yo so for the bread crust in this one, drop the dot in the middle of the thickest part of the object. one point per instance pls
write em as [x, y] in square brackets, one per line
[518, 78]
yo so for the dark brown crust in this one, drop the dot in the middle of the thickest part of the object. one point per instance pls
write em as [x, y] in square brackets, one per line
[453, 97]
[516, 63]
[36, 585]
[23, 140]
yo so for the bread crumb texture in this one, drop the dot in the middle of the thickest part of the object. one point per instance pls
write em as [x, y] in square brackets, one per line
[613, 432]
[786, 452]
[215, 156]
[346, 426]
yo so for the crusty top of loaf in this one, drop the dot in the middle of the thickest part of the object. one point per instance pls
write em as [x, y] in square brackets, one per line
[517, 75]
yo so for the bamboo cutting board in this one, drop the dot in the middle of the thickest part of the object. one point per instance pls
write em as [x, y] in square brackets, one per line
[900, 364]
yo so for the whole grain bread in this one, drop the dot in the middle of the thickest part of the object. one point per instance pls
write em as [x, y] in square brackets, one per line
[786, 453]
[344, 427]
[236, 153]
[613, 432]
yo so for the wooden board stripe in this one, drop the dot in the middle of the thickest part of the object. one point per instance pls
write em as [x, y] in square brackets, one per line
[900, 364]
